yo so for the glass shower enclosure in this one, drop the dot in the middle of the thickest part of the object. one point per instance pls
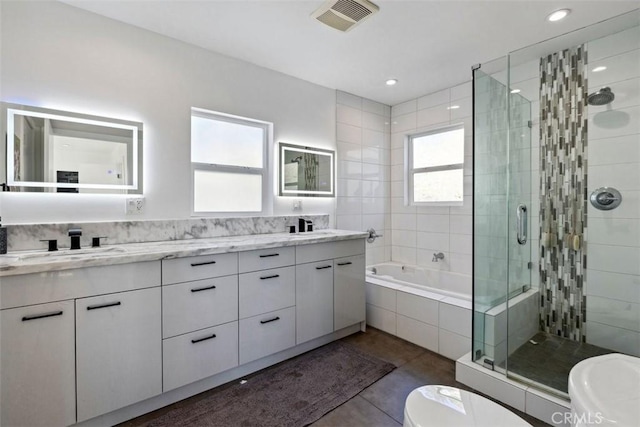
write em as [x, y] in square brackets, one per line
[556, 273]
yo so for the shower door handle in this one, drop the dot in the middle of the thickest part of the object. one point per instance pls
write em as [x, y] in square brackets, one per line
[521, 223]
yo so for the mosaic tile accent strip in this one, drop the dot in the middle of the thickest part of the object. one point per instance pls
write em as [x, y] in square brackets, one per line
[563, 192]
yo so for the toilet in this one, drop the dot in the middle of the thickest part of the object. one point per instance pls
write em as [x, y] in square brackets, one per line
[605, 391]
[443, 406]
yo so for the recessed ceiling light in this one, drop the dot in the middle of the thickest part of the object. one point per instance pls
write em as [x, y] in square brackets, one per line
[515, 91]
[598, 69]
[558, 15]
[453, 107]
[391, 82]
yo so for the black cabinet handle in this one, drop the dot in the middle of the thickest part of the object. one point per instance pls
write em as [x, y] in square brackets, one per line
[269, 277]
[198, 264]
[268, 255]
[323, 267]
[203, 289]
[111, 304]
[203, 339]
[42, 316]
[345, 263]
[270, 320]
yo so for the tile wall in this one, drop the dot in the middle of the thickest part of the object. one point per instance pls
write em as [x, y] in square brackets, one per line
[418, 232]
[613, 276]
[363, 190]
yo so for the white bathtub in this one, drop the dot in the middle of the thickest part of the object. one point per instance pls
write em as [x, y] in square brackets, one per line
[430, 308]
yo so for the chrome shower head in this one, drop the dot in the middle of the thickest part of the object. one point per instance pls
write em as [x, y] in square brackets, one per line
[601, 97]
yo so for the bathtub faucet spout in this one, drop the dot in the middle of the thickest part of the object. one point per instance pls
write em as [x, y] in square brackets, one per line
[437, 257]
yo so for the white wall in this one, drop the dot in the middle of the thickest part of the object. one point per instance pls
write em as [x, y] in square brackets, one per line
[418, 232]
[613, 243]
[57, 56]
[363, 171]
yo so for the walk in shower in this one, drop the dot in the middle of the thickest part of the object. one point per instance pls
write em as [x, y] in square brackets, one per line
[556, 273]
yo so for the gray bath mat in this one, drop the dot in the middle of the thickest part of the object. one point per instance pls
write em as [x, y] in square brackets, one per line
[294, 393]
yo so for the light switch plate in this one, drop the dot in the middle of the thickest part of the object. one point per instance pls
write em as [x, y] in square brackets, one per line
[134, 206]
[297, 205]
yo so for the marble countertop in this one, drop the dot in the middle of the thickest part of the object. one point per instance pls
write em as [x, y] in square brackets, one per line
[25, 262]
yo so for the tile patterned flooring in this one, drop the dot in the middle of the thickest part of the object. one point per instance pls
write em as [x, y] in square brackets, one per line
[549, 361]
[382, 403]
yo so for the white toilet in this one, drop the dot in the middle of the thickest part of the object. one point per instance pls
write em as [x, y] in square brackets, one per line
[443, 406]
[605, 391]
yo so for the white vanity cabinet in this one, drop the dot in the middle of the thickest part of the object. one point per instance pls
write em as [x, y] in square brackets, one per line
[314, 300]
[119, 353]
[349, 299]
[199, 318]
[38, 365]
[330, 287]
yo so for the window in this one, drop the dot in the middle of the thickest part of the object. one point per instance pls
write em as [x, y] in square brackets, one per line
[435, 167]
[229, 163]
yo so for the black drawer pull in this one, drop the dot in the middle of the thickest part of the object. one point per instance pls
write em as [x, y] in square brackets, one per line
[323, 267]
[269, 277]
[203, 289]
[270, 320]
[111, 304]
[203, 339]
[198, 264]
[268, 255]
[41, 316]
[345, 263]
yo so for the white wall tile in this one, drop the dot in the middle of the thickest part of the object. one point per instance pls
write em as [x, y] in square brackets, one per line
[349, 206]
[627, 94]
[460, 263]
[404, 238]
[349, 115]
[614, 44]
[375, 221]
[614, 123]
[349, 169]
[619, 232]
[433, 116]
[461, 224]
[373, 107]
[403, 222]
[347, 151]
[403, 123]
[620, 67]
[404, 108]
[461, 243]
[611, 151]
[432, 223]
[349, 222]
[623, 287]
[438, 242]
[349, 188]
[423, 309]
[465, 109]
[374, 122]
[403, 254]
[433, 99]
[630, 208]
[417, 332]
[621, 314]
[624, 176]
[348, 99]
[349, 133]
[455, 319]
[616, 259]
[373, 138]
[381, 296]
[613, 338]
[381, 319]
[424, 258]
[463, 90]
[453, 346]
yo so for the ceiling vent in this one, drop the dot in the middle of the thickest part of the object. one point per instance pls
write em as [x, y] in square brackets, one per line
[344, 14]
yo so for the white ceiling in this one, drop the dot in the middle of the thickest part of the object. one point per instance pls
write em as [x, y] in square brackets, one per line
[426, 45]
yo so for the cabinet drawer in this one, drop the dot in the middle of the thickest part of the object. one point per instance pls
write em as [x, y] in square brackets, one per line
[187, 269]
[267, 334]
[265, 291]
[190, 306]
[266, 258]
[199, 355]
[37, 288]
[329, 250]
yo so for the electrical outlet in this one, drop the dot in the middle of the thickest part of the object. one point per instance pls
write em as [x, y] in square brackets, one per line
[297, 205]
[135, 206]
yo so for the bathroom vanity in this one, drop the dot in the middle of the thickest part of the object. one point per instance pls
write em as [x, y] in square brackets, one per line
[99, 337]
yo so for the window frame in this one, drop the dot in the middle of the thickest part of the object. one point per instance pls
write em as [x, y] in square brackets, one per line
[410, 172]
[267, 128]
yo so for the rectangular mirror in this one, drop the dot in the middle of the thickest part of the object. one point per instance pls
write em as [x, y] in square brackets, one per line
[306, 171]
[58, 151]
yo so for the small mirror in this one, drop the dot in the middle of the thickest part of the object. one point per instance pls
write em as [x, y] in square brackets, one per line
[58, 151]
[306, 171]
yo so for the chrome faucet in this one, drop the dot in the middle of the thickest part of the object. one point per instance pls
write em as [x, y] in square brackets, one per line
[437, 256]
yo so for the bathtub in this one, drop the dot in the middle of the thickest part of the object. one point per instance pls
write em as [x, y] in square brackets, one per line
[430, 308]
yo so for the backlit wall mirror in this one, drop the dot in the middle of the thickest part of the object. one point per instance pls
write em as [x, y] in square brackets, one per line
[306, 171]
[58, 151]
